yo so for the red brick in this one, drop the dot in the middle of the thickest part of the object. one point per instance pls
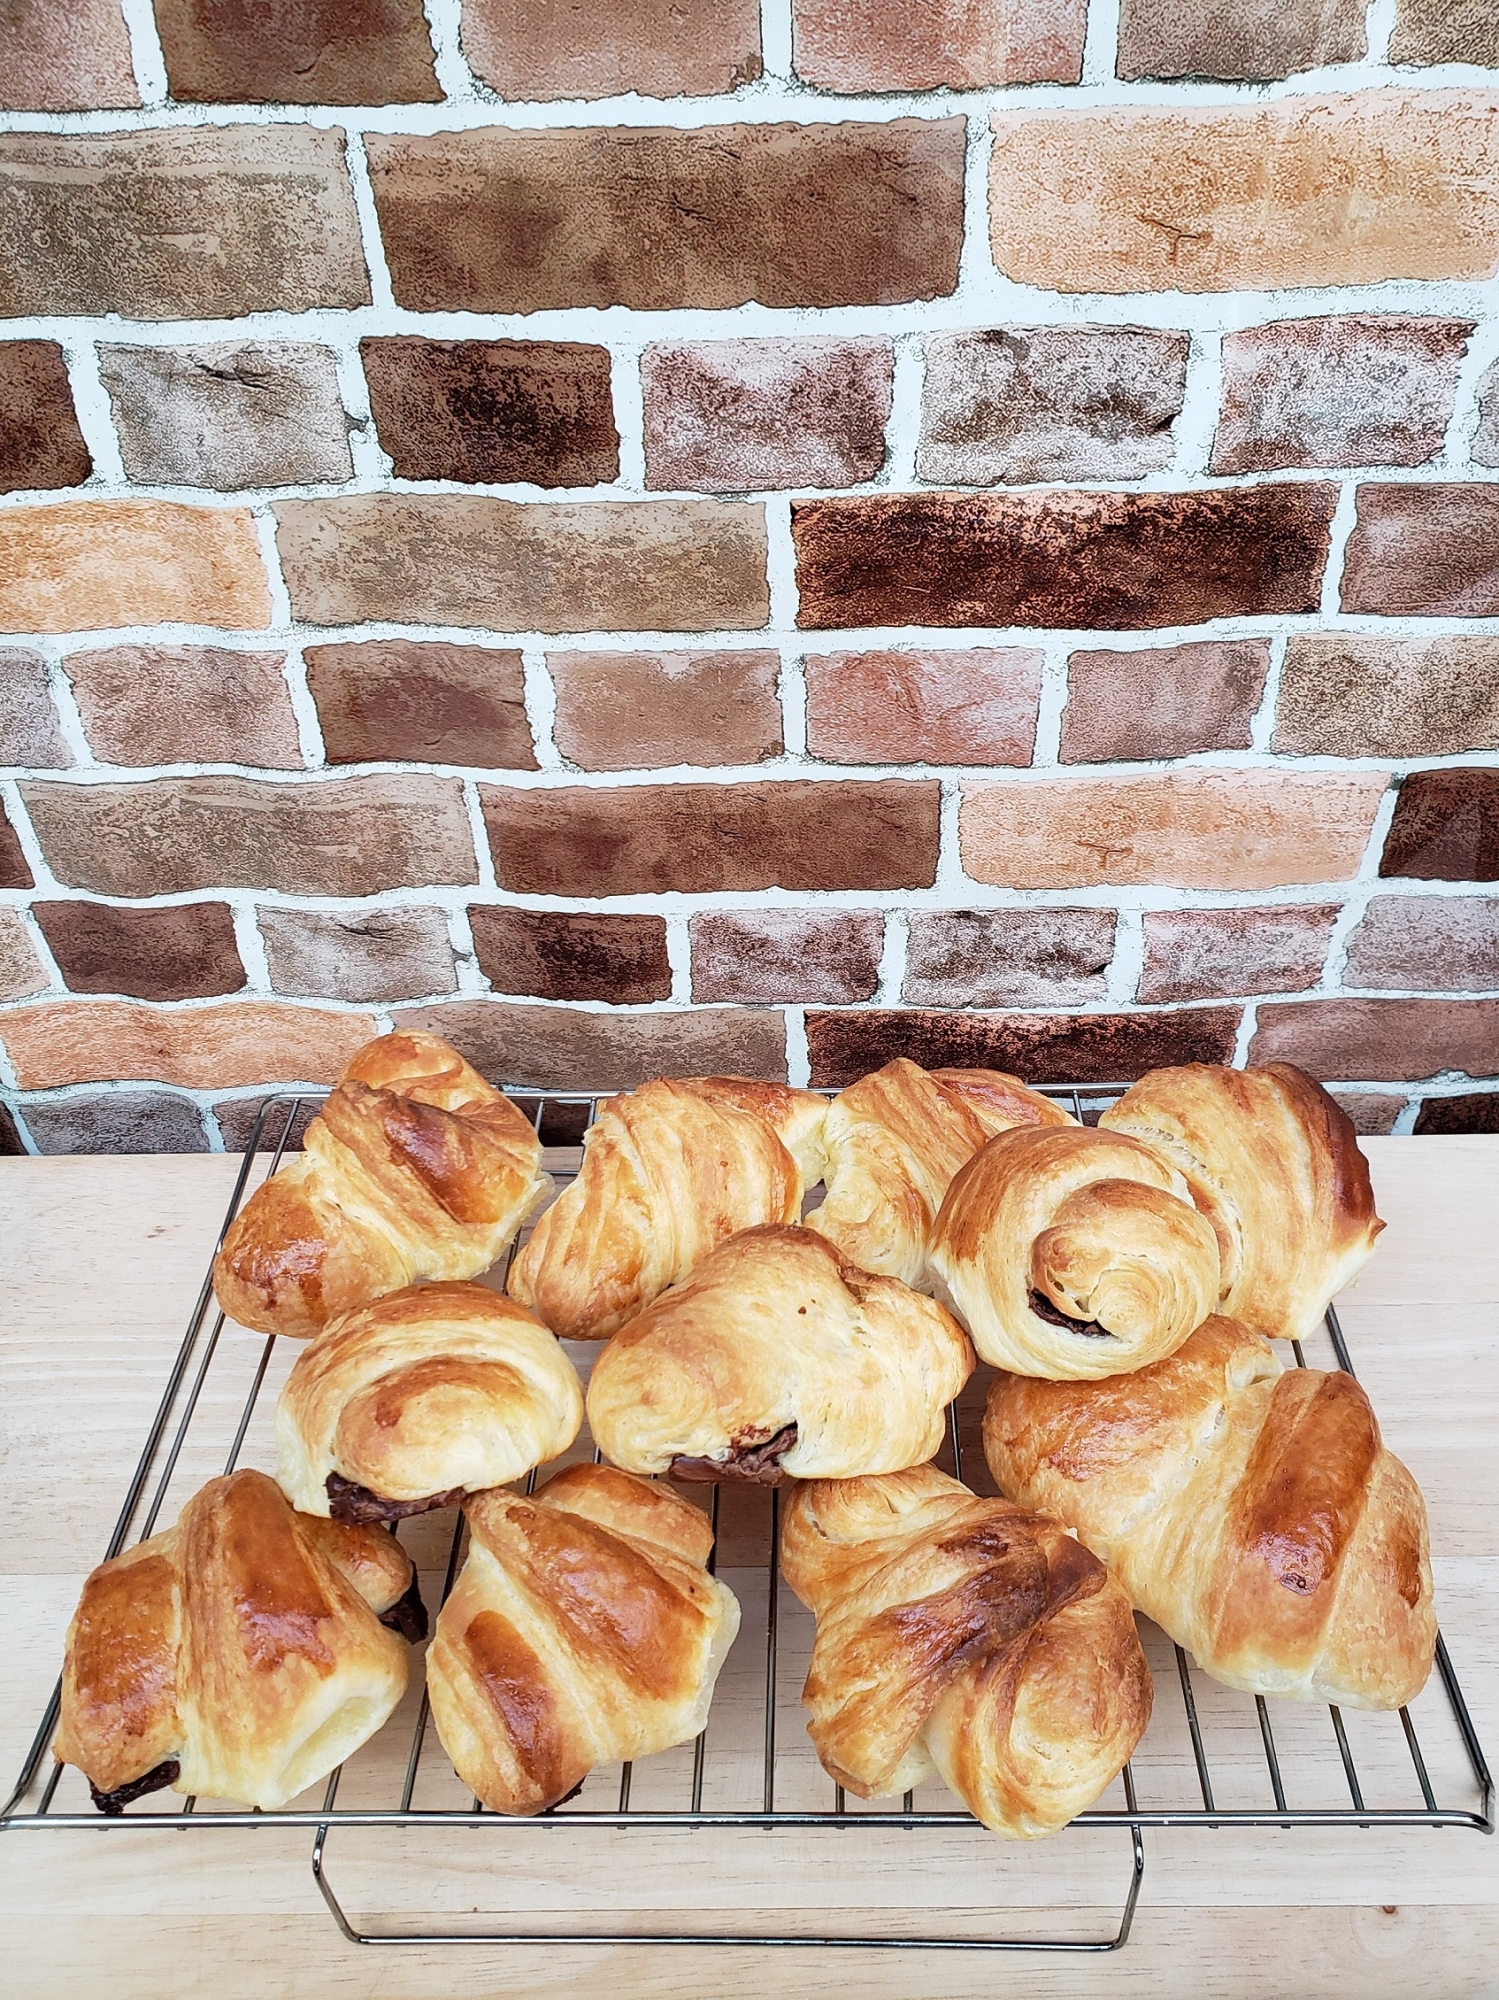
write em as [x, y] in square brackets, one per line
[893, 707]
[494, 411]
[862, 45]
[635, 711]
[198, 1048]
[316, 52]
[200, 222]
[361, 955]
[1220, 954]
[642, 840]
[15, 871]
[784, 957]
[1075, 560]
[1430, 551]
[789, 215]
[1352, 695]
[86, 565]
[563, 566]
[1168, 701]
[21, 971]
[66, 57]
[184, 952]
[1370, 1111]
[1380, 1040]
[394, 700]
[566, 1048]
[1443, 31]
[29, 729]
[1251, 39]
[1041, 1048]
[1007, 958]
[530, 49]
[185, 704]
[558, 956]
[1446, 944]
[117, 1121]
[41, 445]
[1475, 1111]
[1445, 828]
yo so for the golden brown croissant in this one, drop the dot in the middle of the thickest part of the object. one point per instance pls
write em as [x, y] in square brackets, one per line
[1251, 1511]
[1073, 1254]
[669, 1171]
[777, 1356]
[432, 1392]
[965, 1634]
[584, 1628]
[1274, 1164]
[238, 1655]
[894, 1140]
[414, 1168]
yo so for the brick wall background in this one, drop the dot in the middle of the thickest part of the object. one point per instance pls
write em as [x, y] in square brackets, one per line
[703, 536]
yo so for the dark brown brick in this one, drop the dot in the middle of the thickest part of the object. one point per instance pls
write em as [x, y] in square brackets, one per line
[1250, 39]
[1446, 827]
[1371, 1111]
[564, 957]
[638, 711]
[66, 55]
[390, 700]
[185, 704]
[1443, 31]
[1350, 694]
[11, 1147]
[361, 955]
[533, 50]
[183, 953]
[1041, 1048]
[1427, 551]
[41, 445]
[566, 1048]
[789, 215]
[117, 1121]
[1168, 701]
[316, 52]
[1474, 1111]
[29, 730]
[1223, 954]
[785, 957]
[1445, 944]
[702, 839]
[493, 411]
[1380, 1040]
[1007, 958]
[1075, 560]
[15, 871]
[920, 706]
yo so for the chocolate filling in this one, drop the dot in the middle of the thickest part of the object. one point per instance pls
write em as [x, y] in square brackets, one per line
[355, 1504]
[755, 1461]
[1043, 1308]
[114, 1803]
[408, 1615]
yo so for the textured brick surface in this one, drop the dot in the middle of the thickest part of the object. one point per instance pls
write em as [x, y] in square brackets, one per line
[1370, 1111]
[646, 839]
[65, 57]
[21, 971]
[86, 565]
[633, 711]
[29, 728]
[185, 704]
[316, 52]
[424, 700]
[563, 1048]
[1474, 1111]
[358, 954]
[184, 952]
[1007, 958]
[897, 707]
[1253, 39]
[1351, 695]
[1441, 943]
[1165, 701]
[234, 413]
[737, 416]
[40, 443]
[15, 872]
[1193, 829]
[199, 1048]
[1446, 827]
[781, 957]
[857, 45]
[453, 559]
[117, 1121]
[194, 223]
[350, 837]
[563, 957]
[1361, 390]
[1486, 437]
[791, 215]
[1380, 1040]
[604, 48]
[1442, 31]
[1428, 550]
[1043, 1048]
[493, 411]
[236, 1120]
[1216, 954]
[1107, 560]
[1031, 403]
[1220, 198]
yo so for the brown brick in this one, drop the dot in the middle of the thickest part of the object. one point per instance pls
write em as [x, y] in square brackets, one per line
[198, 1048]
[1168, 701]
[360, 955]
[789, 215]
[117, 1121]
[394, 700]
[236, 1121]
[1221, 954]
[1430, 551]
[737, 416]
[642, 840]
[41, 445]
[348, 837]
[1475, 1111]
[564, 957]
[784, 957]
[1131, 198]
[21, 971]
[86, 565]
[1351, 695]
[231, 414]
[1371, 1112]
[531, 50]
[927, 707]
[1485, 446]
[1051, 402]
[29, 729]
[863, 45]
[1078, 560]
[1446, 944]
[1380, 1040]
[317, 52]
[1233, 39]
[563, 566]
[73, 57]
[184, 952]
[566, 1048]
[11, 1146]
[635, 711]
[1446, 827]
[493, 411]
[1041, 1048]
[1007, 958]
[185, 704]
[15, 871]
[1187, 828]
[199, 222]
[1443, 31]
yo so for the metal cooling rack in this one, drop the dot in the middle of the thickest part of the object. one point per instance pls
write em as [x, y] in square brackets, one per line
[1210, 1758]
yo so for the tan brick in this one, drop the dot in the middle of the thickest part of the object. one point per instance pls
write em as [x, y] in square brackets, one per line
[185, 704]
[1252, 39]
[529, 49]
[1443, 31]
[1218, 954]
[21, 971]
[1370, 1111]
[927, 707]
[1188, 829]
[564, 566]
[360, 955]
[1167, 701]
[317, 52]
[1429, 551]
[394, 700]
[636, 711]
[41, 446]
[1007, 958]
[199, 1048]
[1042, 1048]
[1380, 1041]
[1352, 695]
[1130, 198]
[66, 57]
[1446, 944]
[186, 951]
[864, 45]
[87, 565]
[30, 733]
[559, 955]
[786, 956]
[566, 1048]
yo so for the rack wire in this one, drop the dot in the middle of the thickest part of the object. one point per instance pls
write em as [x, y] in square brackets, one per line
[1208, 1759]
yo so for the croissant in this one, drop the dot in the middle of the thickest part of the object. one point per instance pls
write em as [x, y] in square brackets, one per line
[965, 1634]
[777, 1356]
[894, 1141]
[430, 1393]
[1073, 1254]
[1251, 1511]
[1274, 1164]
[237, 1655]
[583, 1629]
[669, 1171]
[414, 1168]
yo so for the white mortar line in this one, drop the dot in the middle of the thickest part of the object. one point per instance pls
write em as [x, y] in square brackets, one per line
[679, 958]
[251, 944]
[1379, 25]
[482, 853]
[1358, 894]
[903, 432]
[1122, 979]
[629, 416]
[454, 77]
[381, 295]
[541, 707]
[1343, 521]
[1248, 1023]
[270, 555]
[1262, 722]
[798, 1057]
[304, 708]
[1101, 43]
[1048, 745]
[781, 566]
[791, 689]
[776, 40]
[95, 411]
[891, 976]
[56, 984]
[1197, 421]
[146, 57]
[69, 715]
[372, 469]
[1479, 358]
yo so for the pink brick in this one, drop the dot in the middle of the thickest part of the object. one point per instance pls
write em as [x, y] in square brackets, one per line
[1378, 1041]
[1166, 701]
[929, 707]
[782, 957]
[1220, 954]
[639, 711]
[860, 45]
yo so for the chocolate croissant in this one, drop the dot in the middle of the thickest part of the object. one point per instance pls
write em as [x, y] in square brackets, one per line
[1073, 1254]
[965, 1634]
[414, 1168]
[669, 1171]
[1274, 1164]
[1251, 1511]
[583, 1629]
[894, 1141]
[238, 1655]
[777, 1356]
[432, 1392]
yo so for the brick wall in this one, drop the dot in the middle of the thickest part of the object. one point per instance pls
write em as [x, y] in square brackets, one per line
[676, 537]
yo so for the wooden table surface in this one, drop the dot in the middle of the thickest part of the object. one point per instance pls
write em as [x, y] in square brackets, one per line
[103, 1259]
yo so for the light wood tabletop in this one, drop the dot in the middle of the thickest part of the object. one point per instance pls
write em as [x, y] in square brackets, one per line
[103, 1260]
